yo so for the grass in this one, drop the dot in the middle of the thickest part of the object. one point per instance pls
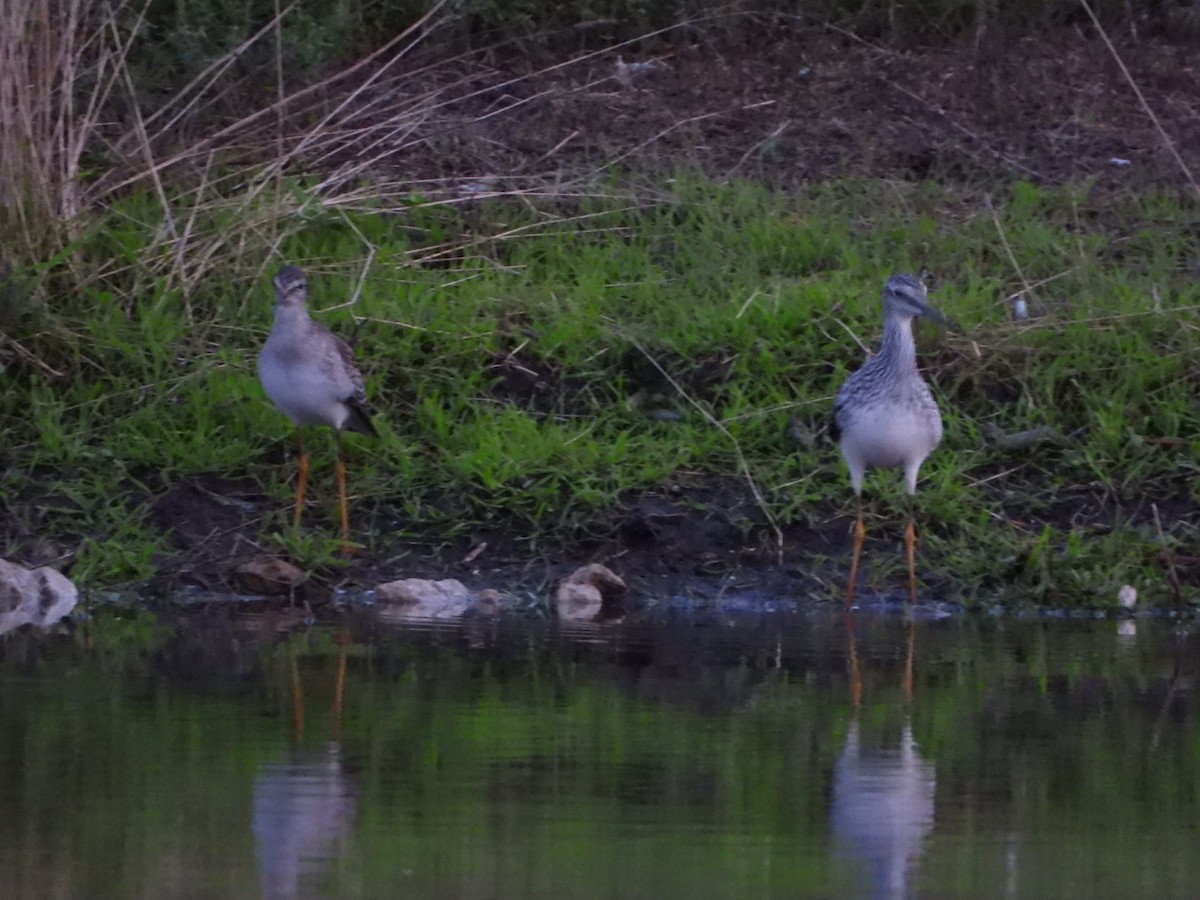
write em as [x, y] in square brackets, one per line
[517, 354]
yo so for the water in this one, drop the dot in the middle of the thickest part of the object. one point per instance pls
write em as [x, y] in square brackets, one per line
[234, 755]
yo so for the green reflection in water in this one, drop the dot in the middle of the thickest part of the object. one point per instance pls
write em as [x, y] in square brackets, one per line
[146, 757]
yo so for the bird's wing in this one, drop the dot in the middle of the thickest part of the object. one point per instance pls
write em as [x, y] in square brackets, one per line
[360, 416]
[840, 401]
[835, 428]
[358, 395]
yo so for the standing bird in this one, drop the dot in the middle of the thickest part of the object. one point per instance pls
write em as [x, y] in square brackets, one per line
[884, 414]
[310, 376]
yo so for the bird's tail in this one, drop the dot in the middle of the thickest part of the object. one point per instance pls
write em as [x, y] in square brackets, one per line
[359, 420]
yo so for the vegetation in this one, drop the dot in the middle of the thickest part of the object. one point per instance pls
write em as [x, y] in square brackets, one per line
[540, 355]
[557, 361]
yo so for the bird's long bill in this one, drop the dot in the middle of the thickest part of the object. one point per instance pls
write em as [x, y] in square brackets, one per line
[928, 312]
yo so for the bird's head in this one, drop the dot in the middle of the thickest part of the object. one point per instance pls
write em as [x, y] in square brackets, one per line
[291, 290]
[904, 295]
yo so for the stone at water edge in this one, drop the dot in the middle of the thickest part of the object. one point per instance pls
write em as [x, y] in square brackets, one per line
[581, 597]
[268, 575]
[422, 598]
[38, 597]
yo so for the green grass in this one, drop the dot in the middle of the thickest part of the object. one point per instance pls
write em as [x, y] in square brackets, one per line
[518, 385]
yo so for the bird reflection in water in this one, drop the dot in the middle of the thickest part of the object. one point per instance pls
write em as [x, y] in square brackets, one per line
[304, 805]
[883, 797]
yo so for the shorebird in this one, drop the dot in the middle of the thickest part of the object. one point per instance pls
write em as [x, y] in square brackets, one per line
[885, 415]
[310, 376]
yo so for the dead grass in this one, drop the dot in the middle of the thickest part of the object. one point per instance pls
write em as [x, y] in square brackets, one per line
[404, 126]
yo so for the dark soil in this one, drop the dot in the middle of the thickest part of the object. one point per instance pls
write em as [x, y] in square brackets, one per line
[693, 535]
[790, 107]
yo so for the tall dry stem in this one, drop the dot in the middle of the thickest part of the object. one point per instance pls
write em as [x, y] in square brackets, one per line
[59, 60]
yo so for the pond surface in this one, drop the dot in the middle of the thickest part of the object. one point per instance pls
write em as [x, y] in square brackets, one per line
[230, 755]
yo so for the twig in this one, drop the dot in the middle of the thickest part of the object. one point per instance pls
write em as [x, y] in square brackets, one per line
[475, 552]
[1012, 258]
[362, 276]
[854, 337]
[549, 153]
[778, 408]
[737, 448]
[29, 357]
[239, 126]
[690, 120]
[745, 306]
[929, 104]
[775, 133]
[1172, 574]
[1162, 132]
[1037, 284]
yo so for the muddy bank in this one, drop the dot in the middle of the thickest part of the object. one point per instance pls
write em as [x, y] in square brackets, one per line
[697, 535]
[700, 537]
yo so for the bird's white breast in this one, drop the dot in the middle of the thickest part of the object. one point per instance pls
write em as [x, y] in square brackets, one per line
[889, 435]
[302, 391]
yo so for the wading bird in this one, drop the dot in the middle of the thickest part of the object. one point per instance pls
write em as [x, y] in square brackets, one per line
[310, 376]
[884, 414]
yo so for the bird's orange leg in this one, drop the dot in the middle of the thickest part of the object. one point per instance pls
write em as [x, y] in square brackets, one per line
[909, 662]
[910, 550]
[297, 699]
[301, 480]
[860, 532]
[343, 511]
[856, 688]
[339, 685]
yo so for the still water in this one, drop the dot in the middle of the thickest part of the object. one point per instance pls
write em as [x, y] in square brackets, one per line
[231, 755]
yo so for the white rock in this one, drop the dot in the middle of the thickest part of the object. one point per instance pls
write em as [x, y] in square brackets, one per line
[422, 598]
[38, 597]
[1127, 596]
[581, 595]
